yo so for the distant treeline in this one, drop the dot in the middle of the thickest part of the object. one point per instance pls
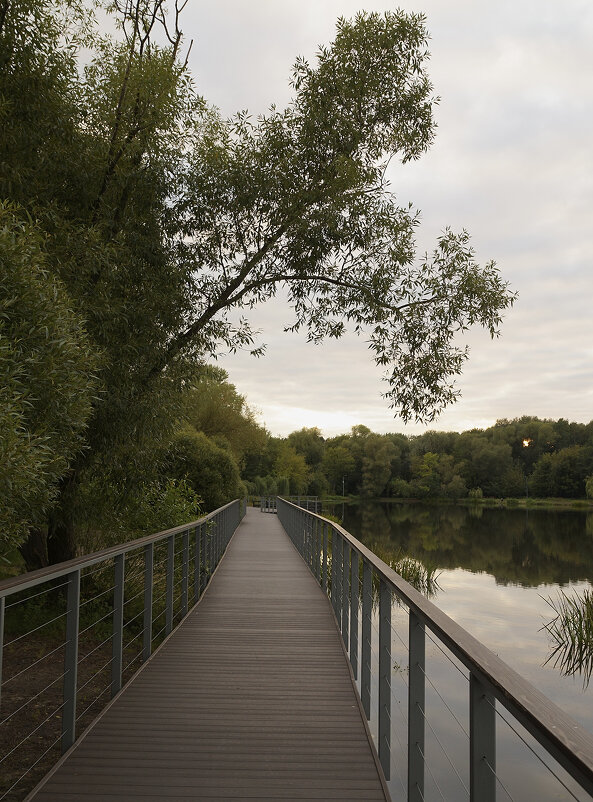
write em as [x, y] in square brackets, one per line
[513, 458]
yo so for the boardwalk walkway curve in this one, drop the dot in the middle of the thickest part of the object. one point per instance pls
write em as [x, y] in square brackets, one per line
[250, 698]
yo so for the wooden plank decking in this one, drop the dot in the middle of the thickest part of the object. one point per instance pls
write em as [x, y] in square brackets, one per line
[251, 698]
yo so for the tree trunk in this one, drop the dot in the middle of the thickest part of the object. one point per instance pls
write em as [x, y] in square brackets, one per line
[56, 542]
[34, 549]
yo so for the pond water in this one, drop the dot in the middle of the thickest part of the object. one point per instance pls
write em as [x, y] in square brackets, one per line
[496, 568]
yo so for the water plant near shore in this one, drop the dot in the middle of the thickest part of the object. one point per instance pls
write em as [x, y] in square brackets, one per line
[571, 633]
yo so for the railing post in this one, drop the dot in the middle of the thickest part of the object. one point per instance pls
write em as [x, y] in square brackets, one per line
[385, 678]
[345, 592]
[185, 574]
[339, 573]
[118, 624]
[148, 588]
[204, 556]
[170, 582]
[197, 570]
[325, 545]
[2, 609]
[367, 610]
[416, 694]
[482, 742]
[213, 527]
[354, 613]
[71, 661]
[333, 568]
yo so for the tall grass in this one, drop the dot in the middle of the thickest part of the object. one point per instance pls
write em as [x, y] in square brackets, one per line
[571, 633]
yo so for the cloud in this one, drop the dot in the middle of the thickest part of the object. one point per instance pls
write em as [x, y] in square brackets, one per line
[512, 163]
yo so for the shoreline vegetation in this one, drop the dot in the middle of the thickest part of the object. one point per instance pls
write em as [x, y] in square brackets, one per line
[514, 503]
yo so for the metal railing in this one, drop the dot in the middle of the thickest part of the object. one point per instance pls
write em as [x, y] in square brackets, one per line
[120, 603]
[267, 503]
[363, 590]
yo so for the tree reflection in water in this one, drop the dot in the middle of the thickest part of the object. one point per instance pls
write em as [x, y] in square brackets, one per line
[516, 546]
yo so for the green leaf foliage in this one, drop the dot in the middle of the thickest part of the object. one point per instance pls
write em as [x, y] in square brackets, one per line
[164, 225]
[206, 467]
[47, 380]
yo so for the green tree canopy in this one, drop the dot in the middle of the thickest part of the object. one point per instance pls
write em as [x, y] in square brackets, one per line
[47, 378]
[214, 407]
[165, 222]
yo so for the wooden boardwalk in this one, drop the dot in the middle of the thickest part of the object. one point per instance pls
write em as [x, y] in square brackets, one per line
[250, 698]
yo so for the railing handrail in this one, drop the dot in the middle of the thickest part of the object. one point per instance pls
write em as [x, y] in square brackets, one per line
[563, 737]
[32, 578]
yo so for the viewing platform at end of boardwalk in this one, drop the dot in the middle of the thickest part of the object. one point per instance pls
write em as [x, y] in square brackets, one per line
[250, 698]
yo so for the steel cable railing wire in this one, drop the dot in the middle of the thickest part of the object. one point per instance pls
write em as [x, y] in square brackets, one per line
[92, 584]
[37, 728]
[375, 653]
[96, 674]
[32, 766]
[104, 565]
[433, 778]
[32, 699]
[461, 727]
[497, 778]
[444, 751]
[449, 658]
[35, 629]
[35, 595]
[33, 664]
[404, 752]
[94, 702]
[132, 661]
[531, 749]
[108, 614]
[131, 620]
[103, 643]
[97, 596]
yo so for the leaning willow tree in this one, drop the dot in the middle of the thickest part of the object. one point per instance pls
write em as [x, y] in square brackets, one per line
[155, 220]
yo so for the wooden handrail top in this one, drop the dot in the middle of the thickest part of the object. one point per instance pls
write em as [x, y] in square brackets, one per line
[565, 739]
[33, 578]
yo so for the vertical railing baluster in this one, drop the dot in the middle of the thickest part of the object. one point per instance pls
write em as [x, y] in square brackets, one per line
[482, 742]
[339, 573]
[118, 624]
[416, 694]
[148, 590]
[185, 574]
[217, 527]
[325, 554]
[333, 567]
[217, 523]
[71, 661]
[170, 582]
[208, 551]
[197, 571]
[346, 592]
[2, 611]
[365, 658]
[204, 555]
[385, 677]
[316, 564]
[354, 613]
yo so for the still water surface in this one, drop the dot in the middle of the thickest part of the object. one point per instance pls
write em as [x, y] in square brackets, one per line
[496, 568]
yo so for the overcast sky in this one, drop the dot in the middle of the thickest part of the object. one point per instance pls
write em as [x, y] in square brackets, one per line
[512, 163]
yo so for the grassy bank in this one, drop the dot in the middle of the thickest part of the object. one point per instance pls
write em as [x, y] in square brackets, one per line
[515, 503]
